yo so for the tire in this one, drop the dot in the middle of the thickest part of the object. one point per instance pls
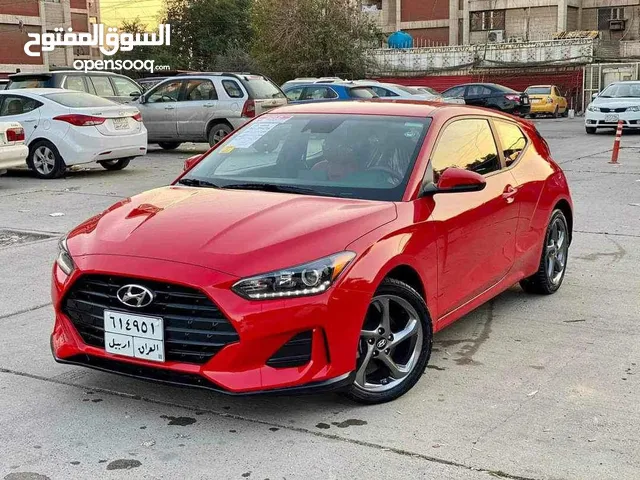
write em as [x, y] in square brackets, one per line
[565, 114]
[555, 112]
[113, 165]
[590, 130]
[218, 132]
[45, 160]
[373, 345]
[549, 277]
[169, 145]
[533, 115]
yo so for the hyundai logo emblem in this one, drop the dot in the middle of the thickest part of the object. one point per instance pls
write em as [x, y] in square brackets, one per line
[135, 296]
[381, 343]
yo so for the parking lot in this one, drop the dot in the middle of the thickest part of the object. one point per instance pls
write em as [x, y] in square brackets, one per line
[526, 387]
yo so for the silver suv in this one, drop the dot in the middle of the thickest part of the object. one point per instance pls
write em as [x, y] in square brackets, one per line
[205, 107]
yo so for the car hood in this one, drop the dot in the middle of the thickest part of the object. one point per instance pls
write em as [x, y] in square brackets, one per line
[615, 102]
[237, 232]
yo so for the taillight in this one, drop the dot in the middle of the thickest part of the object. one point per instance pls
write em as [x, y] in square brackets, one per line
[515, 98]
[137, 117]
[249, 109]
[80, 120]
[15, 134]
[549, 100]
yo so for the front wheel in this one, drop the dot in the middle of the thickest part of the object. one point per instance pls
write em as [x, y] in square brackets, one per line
[590, 130]
[553, 261]
[394, 346]
[115, 164]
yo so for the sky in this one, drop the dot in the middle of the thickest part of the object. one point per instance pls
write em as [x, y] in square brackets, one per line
[113, 12]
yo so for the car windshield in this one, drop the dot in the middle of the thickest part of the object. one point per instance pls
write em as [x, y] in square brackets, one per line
[427, 90]
[261, 88]
[353, 156]
[538, 90]
[79, 99]
[410, 91]
[30, 82]
[622, 90]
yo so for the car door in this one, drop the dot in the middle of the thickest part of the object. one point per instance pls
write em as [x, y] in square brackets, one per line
[159, 110]
[195, 107]
[477, 95]
[475, 231]
[562, 101]
[24, 110]
[126, 90]
[456, 93]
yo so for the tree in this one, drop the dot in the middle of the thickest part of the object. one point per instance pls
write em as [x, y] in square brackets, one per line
[203, 31]
[312, 38]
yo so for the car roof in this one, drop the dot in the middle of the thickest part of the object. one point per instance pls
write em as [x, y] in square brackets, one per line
[537, 86]
[35, 91]
[56, 72]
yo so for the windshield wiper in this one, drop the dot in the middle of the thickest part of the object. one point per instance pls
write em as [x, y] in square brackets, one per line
[271, 187]
[194, 182]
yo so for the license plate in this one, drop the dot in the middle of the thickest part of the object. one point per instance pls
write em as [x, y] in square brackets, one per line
[135, 336]
[536, 100]
[121, 123]
[611, 118]
[525, 100]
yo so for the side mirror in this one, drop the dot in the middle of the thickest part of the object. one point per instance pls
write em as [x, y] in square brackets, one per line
[135, 94]
[191, 161]
[593, 97]
[455, 180]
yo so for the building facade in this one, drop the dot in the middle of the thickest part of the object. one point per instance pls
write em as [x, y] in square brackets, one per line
[42, 16]
[463, 22]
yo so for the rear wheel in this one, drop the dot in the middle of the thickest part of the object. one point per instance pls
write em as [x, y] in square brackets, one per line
[590, 130]
[394, 346]
[553, 261]
[218, 132]
[565, 114]
[555, 112]
[169, 145]
[45, 160]
[115, 164]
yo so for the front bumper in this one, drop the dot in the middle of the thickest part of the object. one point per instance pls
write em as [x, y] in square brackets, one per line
[603, 119]
[334, 318]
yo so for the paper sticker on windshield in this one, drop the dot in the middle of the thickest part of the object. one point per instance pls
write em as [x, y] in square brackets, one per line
[256, 130]
[227, 149]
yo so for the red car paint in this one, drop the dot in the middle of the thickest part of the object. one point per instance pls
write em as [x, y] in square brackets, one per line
[464, 247]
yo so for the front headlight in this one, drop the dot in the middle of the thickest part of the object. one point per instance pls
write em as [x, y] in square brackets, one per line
[309, 279]
[64, 260]
[593, 108]
[635, 108]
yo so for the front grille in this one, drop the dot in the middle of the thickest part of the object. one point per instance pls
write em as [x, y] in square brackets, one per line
[295, 353]
[194, 328]
[614, 110]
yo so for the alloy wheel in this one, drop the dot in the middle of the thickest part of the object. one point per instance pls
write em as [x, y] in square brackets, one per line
[390, 344]
[44, 160]
[218, 135]
[556, 251]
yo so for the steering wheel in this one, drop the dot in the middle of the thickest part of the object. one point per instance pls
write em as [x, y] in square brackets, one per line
[394, 175]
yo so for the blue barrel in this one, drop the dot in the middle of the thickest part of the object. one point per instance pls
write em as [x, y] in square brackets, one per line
[400, 39]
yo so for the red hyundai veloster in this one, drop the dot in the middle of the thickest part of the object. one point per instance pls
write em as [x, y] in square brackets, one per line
[319, 247]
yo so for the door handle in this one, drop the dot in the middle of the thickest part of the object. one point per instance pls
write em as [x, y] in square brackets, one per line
[169, 108]
[509, 193]
[208, 105]
[28, 120]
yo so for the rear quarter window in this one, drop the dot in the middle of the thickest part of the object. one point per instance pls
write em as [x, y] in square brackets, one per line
[361, 92]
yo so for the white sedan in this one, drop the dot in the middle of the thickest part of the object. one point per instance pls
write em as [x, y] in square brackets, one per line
[13, 151]
[64, 128]
[620, 101]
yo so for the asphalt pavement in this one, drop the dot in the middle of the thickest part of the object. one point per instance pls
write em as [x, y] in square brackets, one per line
[526, 387]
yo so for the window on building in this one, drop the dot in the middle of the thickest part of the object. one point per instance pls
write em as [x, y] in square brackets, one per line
[605, 15]
[487, 20]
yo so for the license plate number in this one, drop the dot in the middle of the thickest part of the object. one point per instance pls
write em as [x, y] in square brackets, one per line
[611, 118]
[121, 123]
[525, 100]
[135, 336]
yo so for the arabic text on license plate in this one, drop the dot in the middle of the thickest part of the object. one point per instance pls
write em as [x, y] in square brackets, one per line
[134, 335]
[611, 118]
[121, 123]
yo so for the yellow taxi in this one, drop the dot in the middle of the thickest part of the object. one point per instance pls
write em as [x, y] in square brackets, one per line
[547, 100]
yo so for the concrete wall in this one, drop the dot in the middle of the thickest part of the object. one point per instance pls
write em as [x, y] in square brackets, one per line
[538, 23]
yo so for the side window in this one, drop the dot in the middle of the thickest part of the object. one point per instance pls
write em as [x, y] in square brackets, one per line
[512, 140]
[478, 91]
[318, 93]
[75, 82]
[103, 86]
[294, 94]
[125, 87]
[467, 144]
[18, 105]
[456, 92]
[232, 89]
[200, 90]
[167, 92]
[383, 92]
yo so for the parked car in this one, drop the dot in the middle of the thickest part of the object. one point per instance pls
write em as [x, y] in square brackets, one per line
[148, 82]
[619, 101]
[13, 151]
[322, 92]
[393, 90]
[205, 107]
[108, 85]
[325, 263]
[64, 128]
[491, 95]
[3, 83]
[305, 80]
[547, 100]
